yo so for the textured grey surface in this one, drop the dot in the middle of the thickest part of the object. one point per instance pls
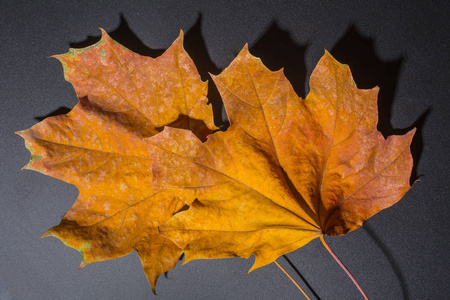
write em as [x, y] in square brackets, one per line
[401, 253]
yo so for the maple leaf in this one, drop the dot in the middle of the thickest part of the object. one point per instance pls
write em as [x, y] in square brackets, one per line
[286, 171]
[100, 148]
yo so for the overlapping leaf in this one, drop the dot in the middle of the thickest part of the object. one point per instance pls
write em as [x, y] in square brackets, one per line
[100, 148]
[286, 171]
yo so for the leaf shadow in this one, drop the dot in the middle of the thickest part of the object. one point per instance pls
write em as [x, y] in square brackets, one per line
[59, 111]
[277, 50]
[417, 143]
[390, 258]
[195, 46]
[180, 259]
[124, 36]
[301, 276]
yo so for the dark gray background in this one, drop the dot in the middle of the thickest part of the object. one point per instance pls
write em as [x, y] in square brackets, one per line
[401, 253]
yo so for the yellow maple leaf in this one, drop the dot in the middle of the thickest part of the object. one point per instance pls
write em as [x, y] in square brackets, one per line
[287, 170]
[100, 148]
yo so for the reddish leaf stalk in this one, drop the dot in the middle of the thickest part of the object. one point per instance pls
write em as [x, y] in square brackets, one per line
[343, 267]
[292, 279]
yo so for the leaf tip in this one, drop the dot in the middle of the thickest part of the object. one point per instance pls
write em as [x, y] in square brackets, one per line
[251, 269]
[410, 134]
[60, 58]
[327, 55]
[212, 75]
[179, 40]
[47, 233]
[245, 49]
[82, 265]
[103, 32]
[154, 291]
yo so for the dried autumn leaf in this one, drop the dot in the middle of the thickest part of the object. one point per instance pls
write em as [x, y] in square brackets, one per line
[99, 147]
[287, 170]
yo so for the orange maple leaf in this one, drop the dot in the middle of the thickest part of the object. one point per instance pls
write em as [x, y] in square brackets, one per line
[100, 148]
[287, 170]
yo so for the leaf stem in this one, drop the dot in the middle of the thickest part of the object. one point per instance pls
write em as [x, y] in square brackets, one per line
[292, 279]
[343, 267]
